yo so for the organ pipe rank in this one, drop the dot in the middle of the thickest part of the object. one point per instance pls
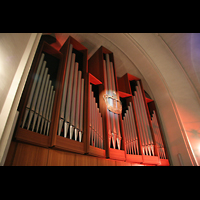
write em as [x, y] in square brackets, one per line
[38, 111]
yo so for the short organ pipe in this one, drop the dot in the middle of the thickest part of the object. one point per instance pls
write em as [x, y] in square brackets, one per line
[130, 132]
[96, 134]
[158, 137]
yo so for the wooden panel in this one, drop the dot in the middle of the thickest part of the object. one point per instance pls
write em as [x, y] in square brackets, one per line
[32, 137]
[117, 154]
[122, 163]
[124, 95]
[29, 155]
[26, 135]
[60, 158]
[83, 160]
[164, 162]
[97, 151]
[105, 162]
[152, 160]
[69, 145]
[134, 158]
[123, 84]
[11, 153]
[94, 80]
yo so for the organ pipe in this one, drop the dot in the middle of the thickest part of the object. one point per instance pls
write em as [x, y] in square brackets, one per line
[95, 129]
[158, 137]
[37, 113]
[71, 112]
[113, 118]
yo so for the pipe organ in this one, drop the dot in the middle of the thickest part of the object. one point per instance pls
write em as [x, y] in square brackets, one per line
[73, 104]
[130, 133]
[71, 112]
[38, 111]
[113, 118]
[143, 123]
[96, 125]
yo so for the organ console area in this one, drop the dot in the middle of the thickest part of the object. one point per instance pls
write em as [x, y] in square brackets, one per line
[74, 111]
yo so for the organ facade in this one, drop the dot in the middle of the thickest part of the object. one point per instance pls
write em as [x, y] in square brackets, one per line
[76, 109]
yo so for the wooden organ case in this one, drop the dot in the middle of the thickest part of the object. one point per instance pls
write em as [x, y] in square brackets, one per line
[143, 138]
[72, 106]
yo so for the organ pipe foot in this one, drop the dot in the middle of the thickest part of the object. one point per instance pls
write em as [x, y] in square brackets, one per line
[152, 149]
[66, 126]
[80, 136]
[71, 132]
[60, 126]
[76, 134]
[113, 140]
[119, 143]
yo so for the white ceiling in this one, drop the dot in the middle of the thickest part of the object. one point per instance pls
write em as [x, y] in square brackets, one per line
[186, 49]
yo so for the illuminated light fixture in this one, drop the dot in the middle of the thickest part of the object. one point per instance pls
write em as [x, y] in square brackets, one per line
[116, 106]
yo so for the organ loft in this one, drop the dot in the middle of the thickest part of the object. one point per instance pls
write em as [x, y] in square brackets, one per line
[74, 111]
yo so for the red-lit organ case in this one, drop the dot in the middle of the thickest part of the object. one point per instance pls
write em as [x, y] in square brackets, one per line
[143, 139]
[101, 65]
[71, 106]
[53, 104]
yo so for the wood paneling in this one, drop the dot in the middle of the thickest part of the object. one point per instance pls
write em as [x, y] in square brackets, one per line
[60, 158]
[11, 154]
[29, 155]
[122, 163]
[105, 162]
[83, 160]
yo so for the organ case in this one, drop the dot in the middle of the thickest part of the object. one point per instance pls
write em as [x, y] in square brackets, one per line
[101, 65]
[136, 114]
[58, 97]
[69, 130]
[37, 105]
[71, 103]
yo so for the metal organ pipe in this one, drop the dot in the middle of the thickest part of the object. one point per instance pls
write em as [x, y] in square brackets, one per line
[71, 112]
[146, 118]
[130, 131]
[110, 92]
[139, 126]
[134, 131]
[78, 102]
[81, 112]
[69, 97]
[96, 130]
[114, 133]
[64, 95]
[158, 136]
[44, 114]
[106, 88]
[35, 113]
[143, 123]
